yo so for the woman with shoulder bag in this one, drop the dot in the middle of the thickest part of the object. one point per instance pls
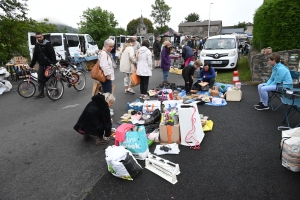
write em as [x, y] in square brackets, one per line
[127, 64]
[107, 65]
[144, 68]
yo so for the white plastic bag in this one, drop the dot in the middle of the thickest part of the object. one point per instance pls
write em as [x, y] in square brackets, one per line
[121, 163]
[150, 106]
[290, 149]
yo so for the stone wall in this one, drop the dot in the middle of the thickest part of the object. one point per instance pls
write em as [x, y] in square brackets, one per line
[201, 31]
[261, 70]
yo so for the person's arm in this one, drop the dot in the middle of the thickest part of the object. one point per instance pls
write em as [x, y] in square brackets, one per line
[150, 60]
[34, 57]
[51, 52]
[132, 57]
[213, 75]
[163, 57]
[103, 62]
[279, 76]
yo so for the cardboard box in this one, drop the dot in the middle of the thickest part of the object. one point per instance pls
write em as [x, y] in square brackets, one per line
[233, 95]
[174, 137]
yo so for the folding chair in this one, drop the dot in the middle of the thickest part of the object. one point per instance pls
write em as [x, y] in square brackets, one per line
[291, 101]
[296, 78]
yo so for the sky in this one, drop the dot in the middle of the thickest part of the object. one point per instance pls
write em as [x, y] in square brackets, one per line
[69, 11]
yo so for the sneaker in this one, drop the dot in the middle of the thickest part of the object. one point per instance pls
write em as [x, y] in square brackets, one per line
[146, 97]
[258, 104]
[126, 90]
[101, 141]
[130, 90]
[262, 107]
[142, 96]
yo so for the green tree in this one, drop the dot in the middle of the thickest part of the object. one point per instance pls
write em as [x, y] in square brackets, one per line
[275, 25]
[161, 14]
[13, 9]
[133, 24]
[192, 17]
[100, 24]
[120, 31]
[241, 25]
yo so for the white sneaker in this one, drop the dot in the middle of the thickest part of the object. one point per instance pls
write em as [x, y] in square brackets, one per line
[146, 97]
[130, 90]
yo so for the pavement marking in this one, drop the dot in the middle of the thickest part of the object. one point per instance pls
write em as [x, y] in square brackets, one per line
[70, 106]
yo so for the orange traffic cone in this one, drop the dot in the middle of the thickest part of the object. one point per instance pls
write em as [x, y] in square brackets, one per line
[235, 77]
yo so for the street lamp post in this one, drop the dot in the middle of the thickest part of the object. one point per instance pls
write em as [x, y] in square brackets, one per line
[209, 19]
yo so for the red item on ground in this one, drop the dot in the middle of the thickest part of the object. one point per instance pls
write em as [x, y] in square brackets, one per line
[121, 132]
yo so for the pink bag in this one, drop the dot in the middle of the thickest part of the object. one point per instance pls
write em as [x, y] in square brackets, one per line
[121, 132]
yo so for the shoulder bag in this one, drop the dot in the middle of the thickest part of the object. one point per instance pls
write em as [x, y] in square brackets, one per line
[97, 73]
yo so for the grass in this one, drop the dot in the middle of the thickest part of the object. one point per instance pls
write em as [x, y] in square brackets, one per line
[225, 76]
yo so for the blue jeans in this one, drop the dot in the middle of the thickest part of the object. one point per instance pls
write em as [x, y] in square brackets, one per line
[165, 75]
[106, 86]
[263, 92]
[114, 56]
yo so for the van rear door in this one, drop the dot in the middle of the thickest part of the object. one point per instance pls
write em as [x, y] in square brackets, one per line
[73, 43]
[56, 40]
[31, 43]
[91, 46]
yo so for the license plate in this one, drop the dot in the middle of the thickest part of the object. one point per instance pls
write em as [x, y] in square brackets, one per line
[215, 62]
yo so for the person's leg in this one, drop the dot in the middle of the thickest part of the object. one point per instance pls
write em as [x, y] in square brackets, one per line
[126, 80]
[259, 91]
[264, 93]
[106, 86]
[211, 83]
[142, 80]
[41, 81]
[146, 83]
[165, 75]
[100, 140]
[127, 83]
[190, 83]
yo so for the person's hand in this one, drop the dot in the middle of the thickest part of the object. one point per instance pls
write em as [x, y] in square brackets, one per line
[108, 77]
[204, 76]
[192, 77]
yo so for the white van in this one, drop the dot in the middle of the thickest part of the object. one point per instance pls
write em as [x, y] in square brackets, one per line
[221, 51]
[67, 44]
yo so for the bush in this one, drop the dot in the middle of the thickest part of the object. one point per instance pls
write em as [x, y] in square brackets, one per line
[276, 25]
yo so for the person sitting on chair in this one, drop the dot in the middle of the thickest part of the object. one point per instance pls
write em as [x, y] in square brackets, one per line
[208, 74]
[280, 74]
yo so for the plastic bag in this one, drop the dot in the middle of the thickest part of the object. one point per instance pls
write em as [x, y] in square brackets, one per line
[121, 163]
[136, 142]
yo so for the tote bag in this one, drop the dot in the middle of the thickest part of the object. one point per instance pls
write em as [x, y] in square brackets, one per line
[97, 73]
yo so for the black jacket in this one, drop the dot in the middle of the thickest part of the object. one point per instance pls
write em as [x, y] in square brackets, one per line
[47, 50]
[156, 47]
[187, 72]
[95, 118]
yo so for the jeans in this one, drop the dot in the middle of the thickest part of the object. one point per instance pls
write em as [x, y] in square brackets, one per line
[263, 92]
[41, 78]
[127, 81]
[144, 82]
[106, 86]
[165, 75]
[114, 57]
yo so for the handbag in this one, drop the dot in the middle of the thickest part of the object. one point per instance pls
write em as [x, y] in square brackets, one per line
[97, 73]
[134, 79]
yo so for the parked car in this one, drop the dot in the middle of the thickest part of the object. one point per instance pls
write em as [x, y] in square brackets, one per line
[221, 51]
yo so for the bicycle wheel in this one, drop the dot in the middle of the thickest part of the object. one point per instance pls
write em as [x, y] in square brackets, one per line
[54, 89]
[26, 89]
[49, 71]
[80, 85]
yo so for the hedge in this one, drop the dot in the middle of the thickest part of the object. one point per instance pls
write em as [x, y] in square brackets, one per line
[277, 25]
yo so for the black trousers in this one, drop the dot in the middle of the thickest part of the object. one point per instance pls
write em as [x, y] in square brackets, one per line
[144, 82]
[41, 78]
[188, 86]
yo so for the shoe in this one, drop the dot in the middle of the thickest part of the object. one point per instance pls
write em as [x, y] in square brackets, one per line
[40, 95]
[126, 90]
[142, 96]
[130, 90]
[146, 97]
[262, 107]
[87, 137]
[101, 141]
[258, 104]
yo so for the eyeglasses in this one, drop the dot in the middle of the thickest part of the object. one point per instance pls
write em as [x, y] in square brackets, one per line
[111, 47]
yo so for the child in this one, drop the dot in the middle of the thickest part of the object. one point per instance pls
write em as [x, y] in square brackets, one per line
[187, 74]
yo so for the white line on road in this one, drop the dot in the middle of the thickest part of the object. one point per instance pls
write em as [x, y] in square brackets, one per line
[70, 106]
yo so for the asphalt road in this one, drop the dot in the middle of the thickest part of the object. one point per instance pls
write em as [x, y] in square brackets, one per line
[42, 157]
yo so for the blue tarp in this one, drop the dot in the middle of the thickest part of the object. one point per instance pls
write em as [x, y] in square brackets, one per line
[91, 58]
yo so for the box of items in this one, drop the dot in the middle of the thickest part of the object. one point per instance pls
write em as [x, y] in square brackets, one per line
[233, 95]
[169, 134]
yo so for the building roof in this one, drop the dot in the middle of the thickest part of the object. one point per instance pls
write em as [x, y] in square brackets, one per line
[202, 23]
[231, 30]
[142, 24]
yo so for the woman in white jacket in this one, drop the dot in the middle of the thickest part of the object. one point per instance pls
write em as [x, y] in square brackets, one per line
[144, 68]
[127, 64]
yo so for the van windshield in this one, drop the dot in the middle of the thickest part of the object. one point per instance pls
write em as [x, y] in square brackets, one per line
[220, 43]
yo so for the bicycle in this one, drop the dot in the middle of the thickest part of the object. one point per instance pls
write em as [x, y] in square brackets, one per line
[63, 71]
[27, 87]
